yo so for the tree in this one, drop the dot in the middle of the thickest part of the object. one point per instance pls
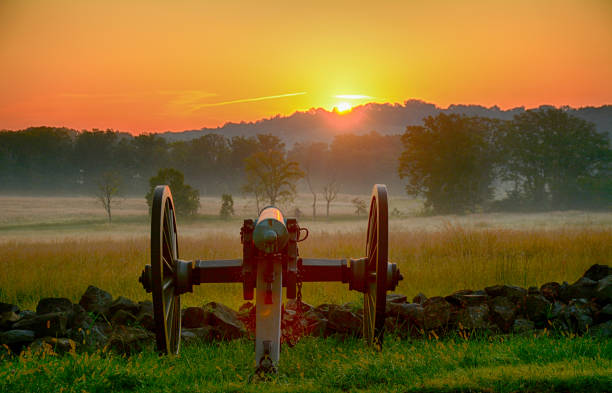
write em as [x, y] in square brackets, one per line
[330, 191]
[186, 198]
[227, 206]
[360, 206]
[313, 159]
[554, 159]
[271, 176]
[109, 185]
[450, 160]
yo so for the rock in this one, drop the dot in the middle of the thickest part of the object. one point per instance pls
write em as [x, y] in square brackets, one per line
[94, 337]
[474, 317]
[597, 272]
[145, 307]
[603, 291]
[7, 307]
[96, 300]
[342, 320]
[7, 319]
[522, 326]
[52, 324]
[129, 339]
[146, 320]
[225, 321]
[602, 330]
[123, 317]
[292, 304]
[550, 291]
[419, 298]
[533, 291]
[578, 316]
[502, 312]
[17, 337]
[513, 293]
[605, 314]
[56, 345]
[396, 298]
[436, 312]
[53, 304]
[79, 318]
[316, 324]
[25, 314]
[411, 314]
[198, 334]
[193, 317]
[122, 303]
[536, 309]
[455, 297]
[584, 288]
[556, 311]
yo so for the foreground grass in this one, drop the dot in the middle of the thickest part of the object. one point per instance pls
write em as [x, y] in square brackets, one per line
[326, 365]
[434, 262]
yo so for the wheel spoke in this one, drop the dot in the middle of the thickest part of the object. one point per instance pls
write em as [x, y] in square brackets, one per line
[169, 304]
[168, 264]
[167, 284]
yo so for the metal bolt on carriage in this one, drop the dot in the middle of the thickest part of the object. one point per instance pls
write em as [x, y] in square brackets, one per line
[270, 261]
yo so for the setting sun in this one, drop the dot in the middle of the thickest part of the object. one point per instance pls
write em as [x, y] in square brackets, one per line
[343, 107]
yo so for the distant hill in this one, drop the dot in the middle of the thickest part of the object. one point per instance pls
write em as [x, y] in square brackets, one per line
[322, 125]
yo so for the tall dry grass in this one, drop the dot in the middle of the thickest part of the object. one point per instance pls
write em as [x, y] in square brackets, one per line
[433, 262]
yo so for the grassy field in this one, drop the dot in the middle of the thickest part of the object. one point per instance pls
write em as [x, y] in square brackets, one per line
[510, 364]
[59, 246]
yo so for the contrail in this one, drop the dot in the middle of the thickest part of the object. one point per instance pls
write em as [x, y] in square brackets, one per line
[250, 100]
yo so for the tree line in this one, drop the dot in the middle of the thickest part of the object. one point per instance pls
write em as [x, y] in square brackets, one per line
[541, 159]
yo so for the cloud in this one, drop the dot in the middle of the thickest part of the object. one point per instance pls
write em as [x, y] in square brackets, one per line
[242, 100]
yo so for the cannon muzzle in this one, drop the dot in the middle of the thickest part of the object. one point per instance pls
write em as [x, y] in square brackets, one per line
[270, 234]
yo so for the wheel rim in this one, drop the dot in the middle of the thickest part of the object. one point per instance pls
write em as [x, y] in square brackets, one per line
[374, 300]
[164, 254]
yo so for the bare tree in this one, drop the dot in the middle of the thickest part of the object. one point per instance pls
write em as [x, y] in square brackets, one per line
[330, 192]
[109, 185]
[313, 192]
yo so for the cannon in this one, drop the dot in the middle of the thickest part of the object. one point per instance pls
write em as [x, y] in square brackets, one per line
[270, 261]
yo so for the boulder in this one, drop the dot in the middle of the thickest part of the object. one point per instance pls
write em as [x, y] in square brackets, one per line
[122, 303]
[602, 330]
[597, 272]
[584, 288]
[550, 291]
[145, 307]
[123, 317]
[502, 312]
[53, 344]
[96, 300]
[522, 326]
[52, 324]
[410, 315]
[7, 307]
[605, 314]
[225, 321]
[455, 297]
[17, 337]
[603, 291]
[205, 333]
[513, 293]
[53, 304]
[7, 319]
[436, 313]
[193, 317]
[396, 298]
[292, 304]
[533, 291]
[419, 298]
[316, 324]
[93, 337]
[474, 317]
[578, 316]
[79, 318]
[129, 340]
[536, 309]
[343, 321]
[146, 320]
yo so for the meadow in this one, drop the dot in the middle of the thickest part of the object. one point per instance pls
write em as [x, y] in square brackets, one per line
[58, 246]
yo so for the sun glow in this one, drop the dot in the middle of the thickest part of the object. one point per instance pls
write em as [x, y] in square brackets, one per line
[343, 107]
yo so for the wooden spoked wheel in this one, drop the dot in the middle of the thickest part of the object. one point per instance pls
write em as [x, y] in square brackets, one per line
[164, 256]
[375, 290]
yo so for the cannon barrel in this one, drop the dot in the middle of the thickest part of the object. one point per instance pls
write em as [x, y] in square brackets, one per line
[270, 234]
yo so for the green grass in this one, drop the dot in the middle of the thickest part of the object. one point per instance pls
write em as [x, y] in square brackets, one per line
[509, 364]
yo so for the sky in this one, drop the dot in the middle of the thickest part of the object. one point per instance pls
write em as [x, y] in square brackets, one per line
[151, 66]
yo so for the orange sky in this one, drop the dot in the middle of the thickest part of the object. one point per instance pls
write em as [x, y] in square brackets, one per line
[153, 65]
